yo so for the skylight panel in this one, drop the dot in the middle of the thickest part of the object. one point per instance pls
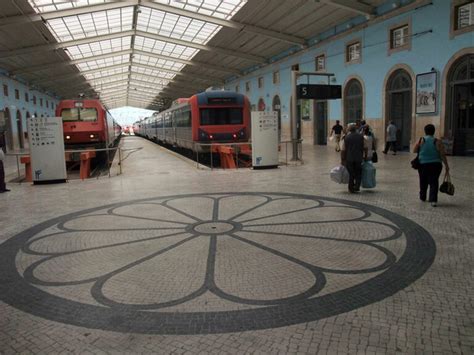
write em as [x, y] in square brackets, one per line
[106, 73]
[174, 26]
[224, 9]
[149, 87]
[52, 5]
[153, 72]
[100, 47]
[102, 81]
[103, 63]
[91, 24]
[159, 63]
[164, 48]
[141, 77]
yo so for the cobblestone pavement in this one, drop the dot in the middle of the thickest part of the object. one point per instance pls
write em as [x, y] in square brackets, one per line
[170, 259]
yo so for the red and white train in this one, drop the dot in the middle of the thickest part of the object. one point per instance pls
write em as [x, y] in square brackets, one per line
[87, 124]
[207, 117]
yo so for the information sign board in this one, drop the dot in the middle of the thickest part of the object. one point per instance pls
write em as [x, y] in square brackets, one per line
[319, 91]
[47, 149]
[264, 139]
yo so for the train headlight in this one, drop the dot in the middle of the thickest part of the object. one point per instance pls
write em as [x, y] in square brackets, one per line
[234, 135]
[68, 137]
[211, 136]
[92, 136]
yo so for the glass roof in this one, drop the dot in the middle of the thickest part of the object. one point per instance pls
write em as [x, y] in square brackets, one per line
[114, 21]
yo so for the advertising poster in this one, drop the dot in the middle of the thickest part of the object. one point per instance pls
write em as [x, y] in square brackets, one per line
[426, 93]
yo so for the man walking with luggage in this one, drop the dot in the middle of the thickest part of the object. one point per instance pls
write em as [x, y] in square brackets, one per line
[354, 151]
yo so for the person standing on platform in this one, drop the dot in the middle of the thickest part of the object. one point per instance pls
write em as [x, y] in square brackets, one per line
[391, 138]
[337, 132]
[370, 141]
[430, 153]
[3, 187]
[354, 151]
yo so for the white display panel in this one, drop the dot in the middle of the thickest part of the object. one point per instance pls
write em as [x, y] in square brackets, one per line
[47, 149]
[264, 139]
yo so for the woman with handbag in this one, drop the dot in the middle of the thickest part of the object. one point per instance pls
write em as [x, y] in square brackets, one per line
[370, 139]
[430, 154]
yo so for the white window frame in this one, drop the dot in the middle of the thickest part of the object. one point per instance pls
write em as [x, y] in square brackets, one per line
[456, 6]
[317, 62]
[350, 49]
[276, 77]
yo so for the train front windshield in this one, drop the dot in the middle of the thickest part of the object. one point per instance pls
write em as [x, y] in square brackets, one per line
[77, 114]
[221, 116]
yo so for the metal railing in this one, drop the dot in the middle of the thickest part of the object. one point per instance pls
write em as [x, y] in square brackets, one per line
[120, 150]
[236, 146]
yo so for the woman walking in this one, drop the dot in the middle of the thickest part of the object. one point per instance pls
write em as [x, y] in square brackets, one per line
[430, 153]
[370, 139]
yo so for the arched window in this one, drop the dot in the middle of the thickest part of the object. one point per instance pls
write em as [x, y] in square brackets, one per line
[261, 105]
[353, 101]
[399, 81]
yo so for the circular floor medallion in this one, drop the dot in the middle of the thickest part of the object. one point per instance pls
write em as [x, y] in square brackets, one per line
[212, 263]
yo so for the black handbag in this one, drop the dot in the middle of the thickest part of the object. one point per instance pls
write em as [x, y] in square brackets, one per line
[447, 187]
[415, 163]
[375, 158]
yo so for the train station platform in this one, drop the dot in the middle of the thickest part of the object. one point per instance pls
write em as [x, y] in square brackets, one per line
[168, 258]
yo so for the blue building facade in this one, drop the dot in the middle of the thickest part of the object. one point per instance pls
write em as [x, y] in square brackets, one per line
[18, 102]
[378, 63]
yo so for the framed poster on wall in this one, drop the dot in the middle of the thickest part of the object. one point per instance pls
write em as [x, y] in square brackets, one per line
[426, 92]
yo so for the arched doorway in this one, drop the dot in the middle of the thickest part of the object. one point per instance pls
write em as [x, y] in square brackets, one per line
[19, 127]
[353, 101]
[276, 106]
[460, 105]
[8, 129]
[399, 105]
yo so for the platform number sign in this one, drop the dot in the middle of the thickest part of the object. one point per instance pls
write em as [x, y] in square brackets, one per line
[319, 92]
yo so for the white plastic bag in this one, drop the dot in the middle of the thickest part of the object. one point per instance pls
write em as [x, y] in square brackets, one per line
[331, 138]
[340, 174]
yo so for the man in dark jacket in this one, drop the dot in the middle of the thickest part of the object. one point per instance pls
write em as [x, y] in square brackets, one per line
[354, 151]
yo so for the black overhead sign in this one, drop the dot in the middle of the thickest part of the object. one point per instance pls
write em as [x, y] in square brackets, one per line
[319, 92]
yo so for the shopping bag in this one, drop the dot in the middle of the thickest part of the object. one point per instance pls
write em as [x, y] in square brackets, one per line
[368, 175]
[340, 174]
[447, 187]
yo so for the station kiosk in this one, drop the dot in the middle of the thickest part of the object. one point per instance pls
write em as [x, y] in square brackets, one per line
[264, 139]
